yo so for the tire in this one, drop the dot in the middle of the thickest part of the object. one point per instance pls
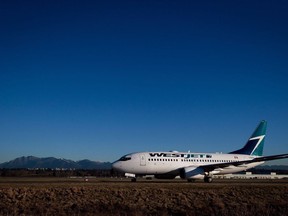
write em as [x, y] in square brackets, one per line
[208, 179]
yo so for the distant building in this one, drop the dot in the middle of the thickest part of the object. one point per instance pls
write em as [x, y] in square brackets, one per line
[250, 175]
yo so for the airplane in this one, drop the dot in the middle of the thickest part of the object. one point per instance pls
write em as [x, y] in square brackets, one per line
[192, 166]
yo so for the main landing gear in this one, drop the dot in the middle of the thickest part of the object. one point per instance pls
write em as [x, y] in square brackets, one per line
[208, 179]
[133, 179]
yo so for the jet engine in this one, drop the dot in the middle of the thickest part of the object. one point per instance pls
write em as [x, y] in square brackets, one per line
[192, 172]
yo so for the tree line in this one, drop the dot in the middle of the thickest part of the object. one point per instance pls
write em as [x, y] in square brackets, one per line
[58, 173]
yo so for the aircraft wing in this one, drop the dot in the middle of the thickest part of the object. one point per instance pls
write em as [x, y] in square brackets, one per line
[211, 167]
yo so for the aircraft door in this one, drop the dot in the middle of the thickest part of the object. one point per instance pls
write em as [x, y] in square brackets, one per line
[142, 160]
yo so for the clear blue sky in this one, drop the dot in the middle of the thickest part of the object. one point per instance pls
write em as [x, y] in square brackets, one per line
[99, 79]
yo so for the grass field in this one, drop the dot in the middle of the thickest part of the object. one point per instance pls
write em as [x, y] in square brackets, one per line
[75, 196]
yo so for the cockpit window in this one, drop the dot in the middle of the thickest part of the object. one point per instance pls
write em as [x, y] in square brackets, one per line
[125, 158]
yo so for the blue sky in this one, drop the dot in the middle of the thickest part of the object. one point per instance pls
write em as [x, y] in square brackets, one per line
[99, 79]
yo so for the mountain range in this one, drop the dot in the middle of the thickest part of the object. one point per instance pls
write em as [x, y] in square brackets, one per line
[32, 162]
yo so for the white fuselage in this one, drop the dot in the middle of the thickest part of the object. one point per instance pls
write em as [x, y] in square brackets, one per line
[159, 163]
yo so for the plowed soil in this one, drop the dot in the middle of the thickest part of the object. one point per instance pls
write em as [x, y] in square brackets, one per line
[52, 196]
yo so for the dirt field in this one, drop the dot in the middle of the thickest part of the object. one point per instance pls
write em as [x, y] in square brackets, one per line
[62, 196]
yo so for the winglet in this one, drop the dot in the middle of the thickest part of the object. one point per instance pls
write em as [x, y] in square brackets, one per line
[255, 144]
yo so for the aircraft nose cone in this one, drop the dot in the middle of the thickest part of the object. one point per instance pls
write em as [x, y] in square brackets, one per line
[116, 165]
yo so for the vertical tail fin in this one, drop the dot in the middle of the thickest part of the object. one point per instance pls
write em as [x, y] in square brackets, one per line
[255, 144]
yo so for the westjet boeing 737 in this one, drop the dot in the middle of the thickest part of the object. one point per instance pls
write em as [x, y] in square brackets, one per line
[191, 166]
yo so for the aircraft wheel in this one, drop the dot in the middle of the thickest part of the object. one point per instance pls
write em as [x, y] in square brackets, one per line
[133, 180]
[191, 180]
[208, 179]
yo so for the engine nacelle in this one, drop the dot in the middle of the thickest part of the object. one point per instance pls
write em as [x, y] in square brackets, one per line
[192, 173]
